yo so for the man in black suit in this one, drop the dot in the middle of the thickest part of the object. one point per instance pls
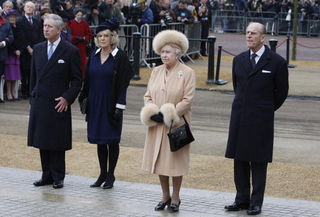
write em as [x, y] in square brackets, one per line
[54, 85]
[31, 28]
[260, 81]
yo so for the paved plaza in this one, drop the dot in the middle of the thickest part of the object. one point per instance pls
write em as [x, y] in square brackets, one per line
[19, 198]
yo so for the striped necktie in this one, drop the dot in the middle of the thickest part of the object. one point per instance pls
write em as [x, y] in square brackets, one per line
[50, 52]
[253, 60]
[30, 20]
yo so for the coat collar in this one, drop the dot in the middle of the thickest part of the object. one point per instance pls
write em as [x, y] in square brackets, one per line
[58, 53]
[113, 53]
[264, 59]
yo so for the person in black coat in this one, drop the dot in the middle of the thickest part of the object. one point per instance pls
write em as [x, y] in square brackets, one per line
[54, 85]
[6, 37]
[204, 16]
[32, 32]
[260, 81]
[105, 86]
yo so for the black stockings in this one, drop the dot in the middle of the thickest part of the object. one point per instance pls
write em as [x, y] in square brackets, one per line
[105, 152]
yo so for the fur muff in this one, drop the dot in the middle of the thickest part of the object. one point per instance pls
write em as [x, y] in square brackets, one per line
[170, 114]
[146, 112]
[170, 37]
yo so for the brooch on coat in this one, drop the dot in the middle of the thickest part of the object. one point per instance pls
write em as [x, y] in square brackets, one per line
[180, 74]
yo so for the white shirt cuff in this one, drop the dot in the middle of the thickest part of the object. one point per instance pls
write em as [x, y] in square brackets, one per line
[120, 106]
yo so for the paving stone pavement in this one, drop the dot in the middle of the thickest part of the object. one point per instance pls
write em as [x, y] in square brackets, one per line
[18, 197]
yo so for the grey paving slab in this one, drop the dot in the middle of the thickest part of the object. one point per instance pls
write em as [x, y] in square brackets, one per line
[18, 197]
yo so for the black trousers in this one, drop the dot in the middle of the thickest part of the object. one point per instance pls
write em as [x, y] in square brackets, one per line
[242, 171]
[2, 66]
[205, 25]
[25, 68]
[53, 165]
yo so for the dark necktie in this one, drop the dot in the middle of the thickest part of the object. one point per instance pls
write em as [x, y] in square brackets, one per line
[30, 20]
[253, 60]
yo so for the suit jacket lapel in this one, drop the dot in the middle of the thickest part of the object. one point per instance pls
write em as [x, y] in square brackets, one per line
[55, 56]
[264, 59]
[43, 58]
[246, 62]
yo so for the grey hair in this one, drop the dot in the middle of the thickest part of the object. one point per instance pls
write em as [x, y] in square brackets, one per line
[263, 29]
[30, 3]
[178, 51]
[58, 22]
[6, 3]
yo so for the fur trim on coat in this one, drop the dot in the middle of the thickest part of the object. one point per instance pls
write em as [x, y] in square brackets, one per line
[170, 114]
[146, 112]
[170, 37]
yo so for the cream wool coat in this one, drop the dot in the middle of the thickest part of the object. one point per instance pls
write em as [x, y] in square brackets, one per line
[176, 87]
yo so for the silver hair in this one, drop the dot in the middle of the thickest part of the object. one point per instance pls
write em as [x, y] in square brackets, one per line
[262, 27]
[6, 3]
[30, 3]
[178, 51]
[58, 22]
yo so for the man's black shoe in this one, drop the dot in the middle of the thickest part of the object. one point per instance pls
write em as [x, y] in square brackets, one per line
[236, 206]
[42, 182]
[254, 210]
[58, 184]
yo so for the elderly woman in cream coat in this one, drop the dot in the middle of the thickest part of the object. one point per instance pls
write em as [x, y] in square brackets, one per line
[169, 96]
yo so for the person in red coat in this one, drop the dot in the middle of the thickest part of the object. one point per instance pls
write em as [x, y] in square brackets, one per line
[80, 36]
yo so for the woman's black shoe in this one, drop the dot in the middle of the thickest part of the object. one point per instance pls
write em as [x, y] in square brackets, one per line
[98, 183]
[162, 204]
[174, 207]
[109, 182]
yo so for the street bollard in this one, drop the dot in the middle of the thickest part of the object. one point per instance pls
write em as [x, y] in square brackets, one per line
[288, 49]
[211, 41]
[288, 53]
[136, 55]
[217, 80]
[273, 44]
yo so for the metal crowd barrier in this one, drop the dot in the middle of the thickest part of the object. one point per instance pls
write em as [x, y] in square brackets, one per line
[236, 21]
[228, 21]
[269, 19]
[126, 41]
[148, 31]
[193, 31]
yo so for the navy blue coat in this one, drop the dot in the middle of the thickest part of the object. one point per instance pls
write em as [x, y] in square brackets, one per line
[259, 92]
[60, 76]
[7, 36]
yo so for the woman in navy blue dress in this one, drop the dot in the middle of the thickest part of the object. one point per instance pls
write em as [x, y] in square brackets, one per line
[105, 86]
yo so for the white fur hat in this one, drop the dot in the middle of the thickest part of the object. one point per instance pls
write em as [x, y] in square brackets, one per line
[170, 37]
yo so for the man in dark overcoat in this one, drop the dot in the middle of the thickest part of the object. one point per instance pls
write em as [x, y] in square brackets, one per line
[54, 85]
[260, 81]
[32, 34]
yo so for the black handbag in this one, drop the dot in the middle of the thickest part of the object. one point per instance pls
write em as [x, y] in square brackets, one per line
[84, 106]
[180, 136]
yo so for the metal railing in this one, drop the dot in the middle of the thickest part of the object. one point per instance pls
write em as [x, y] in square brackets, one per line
[276, 23]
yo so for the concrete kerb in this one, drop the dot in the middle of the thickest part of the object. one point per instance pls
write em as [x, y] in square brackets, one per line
[125, 199]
